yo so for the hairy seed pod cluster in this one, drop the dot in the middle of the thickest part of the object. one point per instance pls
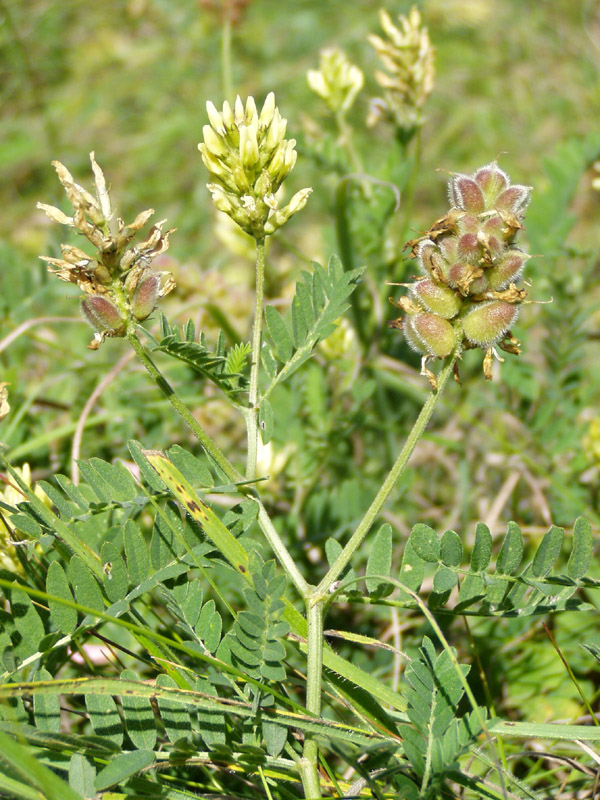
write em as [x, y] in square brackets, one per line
[468, 295]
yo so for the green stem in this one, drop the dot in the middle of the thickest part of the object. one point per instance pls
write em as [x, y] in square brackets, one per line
[310, 757]
[267, 527]
[165, 387]
[253, 400]
[382, 495]
[346, 141]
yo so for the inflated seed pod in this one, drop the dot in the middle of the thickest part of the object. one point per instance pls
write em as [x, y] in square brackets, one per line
[436, 298]
[507, 270]
[464, 193]
[428, 333]
[492, 181]
[144, 296]
[486, 323]
[103, 315]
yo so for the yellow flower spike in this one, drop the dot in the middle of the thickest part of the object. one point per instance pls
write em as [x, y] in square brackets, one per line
[337, 81]
[407, 55]
[248, 158]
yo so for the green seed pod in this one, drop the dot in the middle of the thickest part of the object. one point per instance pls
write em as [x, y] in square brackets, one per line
[436, 298]
[103, 315]
[144, 296]
[486, 323]
[428, 333]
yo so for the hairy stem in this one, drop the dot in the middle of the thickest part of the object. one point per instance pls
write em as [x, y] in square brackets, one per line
[309, 765]
[280, 550]
[388, 485]
[186, 415]
[253, 400]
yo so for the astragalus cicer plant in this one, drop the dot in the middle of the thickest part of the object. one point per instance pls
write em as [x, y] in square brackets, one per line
[183, 570]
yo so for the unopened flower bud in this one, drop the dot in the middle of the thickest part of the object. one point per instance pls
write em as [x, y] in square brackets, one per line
[337, 81]
[103, 315]
[486, 323]
[436, 298]
[428, 333]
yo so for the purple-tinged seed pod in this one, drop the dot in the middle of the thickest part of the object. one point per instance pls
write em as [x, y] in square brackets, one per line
[428, 333]
[486, 323]
[468, 247]
[103, 315]
[430, 259]
[507, 271]
[465, 194]
[144, 296]
[436, 298]
[514, 200]
[492, 181]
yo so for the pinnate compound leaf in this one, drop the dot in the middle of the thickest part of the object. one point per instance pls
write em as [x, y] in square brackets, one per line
[280, 336]
[482, 551]
[451, 549]
[583, 549]
[380, 558]
[320, 300]
[63, 616]
[46, 707]
[139, 716]
[116, 581]
[511, 551]
[425, 542]
[104, 717]
[85, 586]
[175, 716]
[82, 775]
[136, 553]
[547, 553]
[266, 421]
[123, 767]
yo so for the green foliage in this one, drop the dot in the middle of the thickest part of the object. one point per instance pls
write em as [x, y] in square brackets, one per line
[507, 587]
[439, 734]
[164, 586]
[222, 368]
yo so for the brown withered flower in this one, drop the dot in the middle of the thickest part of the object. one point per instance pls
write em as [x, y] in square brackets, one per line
[119, 285]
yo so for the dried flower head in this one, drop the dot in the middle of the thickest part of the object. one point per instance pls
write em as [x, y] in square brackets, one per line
[248, 158]
[111, 278]
[337, 81]
[407, 55]
[469, 296]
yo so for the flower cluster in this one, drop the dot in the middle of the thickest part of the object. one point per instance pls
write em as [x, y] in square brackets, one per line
[407, 55]
[469, 297]
[248, 158]
[337, 81]
[118, 282]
